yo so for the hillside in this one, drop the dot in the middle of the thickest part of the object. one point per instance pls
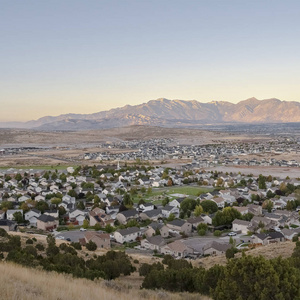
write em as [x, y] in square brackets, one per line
[18, 283]
[173, 113]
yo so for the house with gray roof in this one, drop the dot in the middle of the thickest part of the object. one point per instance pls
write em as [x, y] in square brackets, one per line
[179, 226]
[153, 243]
[241, 226]
[153, 215]
[126, 235]
[126, 215]
[215, 248]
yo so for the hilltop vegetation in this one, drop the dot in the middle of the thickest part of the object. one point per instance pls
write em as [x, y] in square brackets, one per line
[248, 277]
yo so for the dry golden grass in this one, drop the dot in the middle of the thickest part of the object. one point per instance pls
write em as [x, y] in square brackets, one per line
[19, 283]
[284, 250]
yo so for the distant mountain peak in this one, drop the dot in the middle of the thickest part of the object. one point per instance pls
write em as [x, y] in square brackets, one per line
[174, 113]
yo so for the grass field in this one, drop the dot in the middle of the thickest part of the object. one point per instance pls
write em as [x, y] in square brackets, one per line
[158, 194]
[58, 167]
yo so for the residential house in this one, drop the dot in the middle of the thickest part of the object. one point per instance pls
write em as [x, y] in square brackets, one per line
[98, 216]
[169, 209]
[288, 233]
[126, 235]
[146, 207]
[268, 238]
[242, 209]
[53, 213]
[241, 226]
[10, 213]
[46, 223]
[177, 249]
[195, 221]
[155, 228]
[77, 216]
[176, 202]
[153, 215]
[102, 240]
[179, 226]
[126, 215]
[219, 201]
[8, 225]
[215, 248]
[153, 243]
[32, 216]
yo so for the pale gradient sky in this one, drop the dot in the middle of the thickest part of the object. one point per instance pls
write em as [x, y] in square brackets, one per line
[80, 56]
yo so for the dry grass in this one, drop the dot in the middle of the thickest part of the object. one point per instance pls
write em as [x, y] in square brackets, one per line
[270, 251]
[19, 283]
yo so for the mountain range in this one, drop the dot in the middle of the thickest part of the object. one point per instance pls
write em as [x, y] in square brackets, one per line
[172, 113]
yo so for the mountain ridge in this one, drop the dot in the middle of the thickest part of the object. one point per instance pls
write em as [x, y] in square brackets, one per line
[173, 113]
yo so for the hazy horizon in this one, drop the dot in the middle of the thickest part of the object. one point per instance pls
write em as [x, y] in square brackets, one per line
[61, 57]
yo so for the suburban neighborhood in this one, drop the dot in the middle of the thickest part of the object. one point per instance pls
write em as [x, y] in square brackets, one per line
[185, 211]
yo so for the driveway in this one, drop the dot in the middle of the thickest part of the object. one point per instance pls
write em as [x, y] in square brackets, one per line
[74, 235]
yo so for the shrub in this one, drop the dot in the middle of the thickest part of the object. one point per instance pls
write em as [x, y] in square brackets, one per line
[29, 241]
[91, 246]
[3, 232]
[40, 247]
[217, 233]
[77, 245]
[230, 253]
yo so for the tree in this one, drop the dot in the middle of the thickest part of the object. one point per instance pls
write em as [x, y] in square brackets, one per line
[165, 201]
[55, 201]
[108, 228]
[80, 205]
[42, 206]
[127, 200]
[268, 204]
[202, 228]
[230, 253]
[5, 205]
[262, 182]
[96, 199]
[91, 246]
[226, 217]
[18, 217]
[188, 205]
[171, 217]
[85, 224]
[217, 233]
[270, 194]
[73, 193]
[18, 177]
[61, 211]
[257, 278]
[209, 206]
[198, 211]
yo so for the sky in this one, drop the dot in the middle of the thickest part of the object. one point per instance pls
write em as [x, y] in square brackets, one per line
[74, 56]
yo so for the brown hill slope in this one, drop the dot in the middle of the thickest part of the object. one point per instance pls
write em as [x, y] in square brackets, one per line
[19, 283]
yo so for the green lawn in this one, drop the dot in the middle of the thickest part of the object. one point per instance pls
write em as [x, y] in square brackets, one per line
[158, 194]
[58, 167]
